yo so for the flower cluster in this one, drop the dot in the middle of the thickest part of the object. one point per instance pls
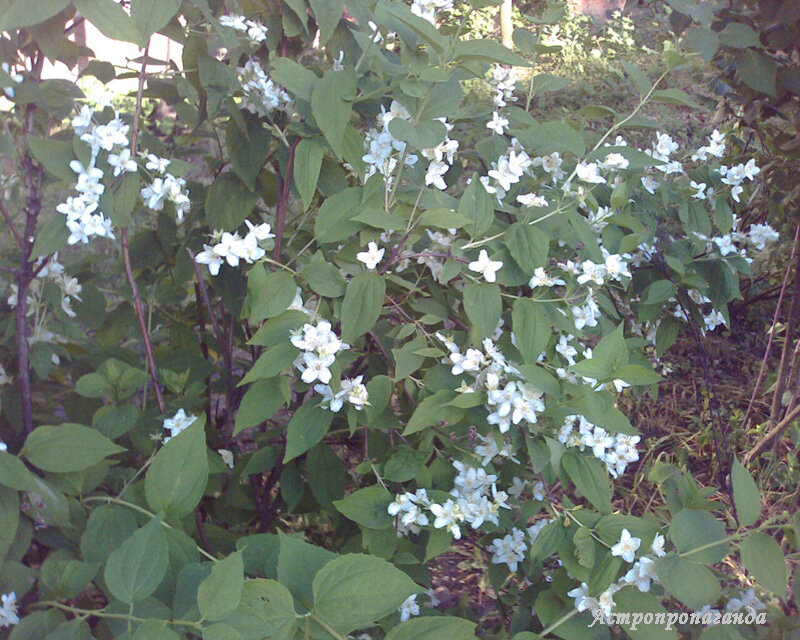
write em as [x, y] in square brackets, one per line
[165, 188]
[84, 219]
[352, 391]
[261, 95]
[476, 501]
[616, 451]
[255, 31]
[319, 344]
[641, 574]
[232, 248]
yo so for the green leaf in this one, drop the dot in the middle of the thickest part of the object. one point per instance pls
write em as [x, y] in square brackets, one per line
[307, 163]
[55, 155]
[692, 529]
[14, 474]
[272, 605]
[430, 412]
[274, 360]
[528, 246]
[328, 13]
[107, 528]
[335, 218]
[631, 600]
[489, 51]
[404, 464]
[17, 14]
[704, 41]
[67, 447]
[228, 202]
[746, 497]
[306, 428]
[51, 237]
[111, 19]
[220, 593]
[326, 475]
[739, 36]
[298, 564]
[354, 591]
[151, 16]
[758, 71]
[248, 152]
[763, 558]
[293, 77]
[362, 304]
[675, 96]
[367, 507]
[261, 402]
[139, 565]
[638, 76]
[690, 582]
[477, 207]
[433, 629]
[177, 477]
[9, 518]
[636, 374]
[532, 328]
[65, 577]
[269, 294]
[590, 478]
[483, 305]
[331, 105]
[325, 279]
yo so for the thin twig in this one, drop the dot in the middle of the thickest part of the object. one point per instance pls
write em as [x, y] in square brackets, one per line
[10, 223]
[126, 254]
[775, 317]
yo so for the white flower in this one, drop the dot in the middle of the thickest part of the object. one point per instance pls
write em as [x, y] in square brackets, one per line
[510, 549]
[700, 190]
[316, 368]
[209, 257]
[487, 268]
[626, 547]
[541, 279]
[8, 612]
[448, 516]
[589, 173]
[658, 546]
[122, 162]
[233, 21]
[497, 124]
[156, 163]
[372, 256]
[583, 600]
[261, 231]
[641, 574]
[650, 184]
[747, 600]
[409, 608]
[532, 200]
[227, 457]
[177, 423]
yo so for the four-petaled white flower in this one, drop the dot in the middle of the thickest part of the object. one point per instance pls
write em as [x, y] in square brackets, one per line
[486, 267]
[626, 547]
[372, 256]
[8, 610]
[497, 124]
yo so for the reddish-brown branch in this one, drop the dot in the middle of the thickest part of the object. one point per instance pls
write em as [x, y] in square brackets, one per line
[126, 254]
[284, 188]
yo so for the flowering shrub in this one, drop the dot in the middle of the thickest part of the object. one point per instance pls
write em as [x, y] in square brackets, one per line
[338, 298]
